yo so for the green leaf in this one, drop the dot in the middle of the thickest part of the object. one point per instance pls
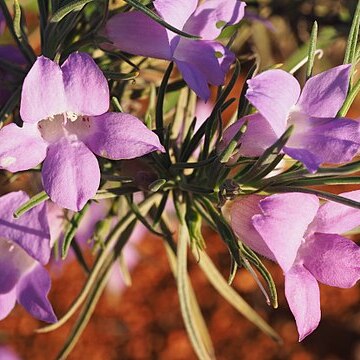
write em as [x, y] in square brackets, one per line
[101, 261]
[160, 103]
[229, 150]
[113, 75]
[350, 99]
[21, 36]
[268, 160]
[139, 6]
[229, 294]
[326, 36]
[31, 203]
[220, 105]
[352, 41]
[24, 47]
[255, 260]
[322, 194]
[325, 180]
[71, 230]
[312, 49]
[75, 5]
[186, 307]
[197, 316]
[244, 104]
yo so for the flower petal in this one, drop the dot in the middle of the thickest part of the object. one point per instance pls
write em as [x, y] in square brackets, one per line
[32, 292]
[57, 217]
[336, 218]
[195, 79]
[273, 93]
[303, 295]
[283, 224]
[332, 259]
[43, 92]
[199, 65]
[7, 303]
[324, 94]
[242, 211]
[138, 34]
[257, 128]
[86, 88]
[14, 262]
[71, 174]
[15, 143]
[177, 12]
[121, 136]
[30, 231]
[202, 56]
[324, 140]
[207, 17]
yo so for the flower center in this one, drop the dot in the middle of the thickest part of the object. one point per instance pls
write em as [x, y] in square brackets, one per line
[70, 125]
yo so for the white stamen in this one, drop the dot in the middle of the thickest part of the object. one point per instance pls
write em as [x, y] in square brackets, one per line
[71, 116]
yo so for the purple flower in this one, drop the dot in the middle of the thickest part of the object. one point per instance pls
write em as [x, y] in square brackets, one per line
[200, 62]
[66, 123]
[293, 230]
[24, 249]
[318, 136]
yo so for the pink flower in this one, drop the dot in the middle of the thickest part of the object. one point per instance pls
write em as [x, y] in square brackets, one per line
[66, 123]
[200, 61]
[318, 136]
[303, 237]
[24, 249]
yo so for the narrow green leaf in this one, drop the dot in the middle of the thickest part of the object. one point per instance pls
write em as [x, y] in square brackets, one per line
[75, 5]
[229, 294]
[184, 292]
[31, 203]
[350, 99]
[193, 165]
[125, 271]
[252, 257]
[322, 194]
[270, 155]
[101, 261]
[71, 230]
[157, 185]
[244, 105]
[159, 119]
[187, 150]
[197, 315]
[229, 150]
[113, 75]
[312, 49]
[326, 180]
[79, 256]
[352, 41]
[116, 103]
[86, 312]
[23, 46]
[139, 6]
[326, 37]
[22, 39]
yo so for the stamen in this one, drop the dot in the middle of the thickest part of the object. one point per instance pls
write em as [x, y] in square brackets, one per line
[71, 116]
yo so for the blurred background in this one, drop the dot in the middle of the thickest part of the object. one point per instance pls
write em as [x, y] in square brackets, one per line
[144, 321]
